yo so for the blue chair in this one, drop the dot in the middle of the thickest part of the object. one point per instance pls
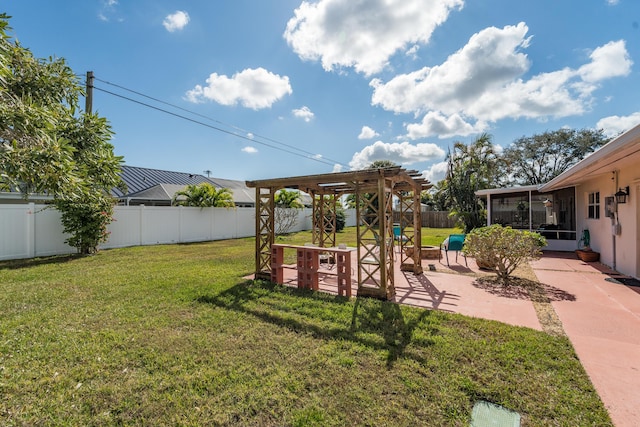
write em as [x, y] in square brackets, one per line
[454, 242]
[397, 233]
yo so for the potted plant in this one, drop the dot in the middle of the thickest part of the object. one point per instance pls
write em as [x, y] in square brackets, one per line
[585, 253]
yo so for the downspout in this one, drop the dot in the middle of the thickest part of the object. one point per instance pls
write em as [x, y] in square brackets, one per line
[614, 220]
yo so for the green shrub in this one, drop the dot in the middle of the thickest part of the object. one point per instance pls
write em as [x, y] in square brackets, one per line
[503, 248]
[85, 220]
[341, 219]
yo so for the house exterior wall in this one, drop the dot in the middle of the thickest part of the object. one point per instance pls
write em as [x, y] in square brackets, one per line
[618, 251]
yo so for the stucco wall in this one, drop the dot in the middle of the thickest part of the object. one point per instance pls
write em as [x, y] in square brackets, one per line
[624, 258]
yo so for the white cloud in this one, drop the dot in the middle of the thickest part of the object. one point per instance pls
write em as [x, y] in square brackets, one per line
[250, 135]
[250, 150]
[397, 152]
[252, 88]
[437, 172]
[108, 11]
[367, 133]
[176, 21]
[614, 125]
[610, 60]
[337, 168]
[435, 123]
[363, 34]
[413, 51]
[303, 113]
[490, 60]
[613, 2]
[483, 82]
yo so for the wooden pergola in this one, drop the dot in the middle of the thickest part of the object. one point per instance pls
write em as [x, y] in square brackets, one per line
[374, 190]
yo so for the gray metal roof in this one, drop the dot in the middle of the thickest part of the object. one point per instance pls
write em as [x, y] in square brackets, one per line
[157, 184]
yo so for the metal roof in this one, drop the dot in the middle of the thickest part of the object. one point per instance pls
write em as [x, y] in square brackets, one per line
[157, 184]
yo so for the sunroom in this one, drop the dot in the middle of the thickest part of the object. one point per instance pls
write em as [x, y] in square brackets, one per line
[552, 214]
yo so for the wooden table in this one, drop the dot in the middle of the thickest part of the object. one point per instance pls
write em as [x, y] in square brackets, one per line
[308, 264]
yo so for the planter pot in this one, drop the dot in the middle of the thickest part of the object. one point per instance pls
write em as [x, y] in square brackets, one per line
[588, 256]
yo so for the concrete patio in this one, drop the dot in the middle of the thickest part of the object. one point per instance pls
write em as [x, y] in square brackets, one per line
[600, 317]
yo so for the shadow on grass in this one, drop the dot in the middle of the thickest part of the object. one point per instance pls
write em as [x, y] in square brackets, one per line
[17, 264]
[370, 318]
[519, 288]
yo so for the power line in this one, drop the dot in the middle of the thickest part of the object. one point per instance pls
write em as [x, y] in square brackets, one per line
[211, 126]
[289, 148]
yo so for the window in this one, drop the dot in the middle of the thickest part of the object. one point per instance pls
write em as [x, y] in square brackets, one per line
[594, 206]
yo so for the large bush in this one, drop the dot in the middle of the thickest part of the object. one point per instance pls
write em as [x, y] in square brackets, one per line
[85, 219]
[503, 248]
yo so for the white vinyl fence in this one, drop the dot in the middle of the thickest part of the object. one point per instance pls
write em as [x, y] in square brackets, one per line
[30, 230]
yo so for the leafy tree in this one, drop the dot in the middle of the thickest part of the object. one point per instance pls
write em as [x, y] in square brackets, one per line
[382, 164]
[436, 197]
[341, 218]
[350, 199]
[204, 195]
[471, 168]
[288, 203]
[47, 145]
[539, 158]
[503, 248]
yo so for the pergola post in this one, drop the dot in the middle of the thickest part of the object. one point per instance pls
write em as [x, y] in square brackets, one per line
[410, 240]
[324, 220]
[375, 241]
[265, 226]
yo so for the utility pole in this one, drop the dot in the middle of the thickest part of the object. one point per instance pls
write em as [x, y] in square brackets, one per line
[88, 106]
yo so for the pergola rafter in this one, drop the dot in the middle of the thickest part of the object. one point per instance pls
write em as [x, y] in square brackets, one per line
[374, 190]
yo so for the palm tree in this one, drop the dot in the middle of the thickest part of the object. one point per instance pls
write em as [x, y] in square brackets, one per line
[471, 167]
[288, 199]
[204, 195]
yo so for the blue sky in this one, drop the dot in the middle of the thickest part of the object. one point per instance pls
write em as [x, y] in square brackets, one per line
[337, 84]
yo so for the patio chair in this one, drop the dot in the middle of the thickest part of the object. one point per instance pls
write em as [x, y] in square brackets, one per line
[397, 233]
[454, 243]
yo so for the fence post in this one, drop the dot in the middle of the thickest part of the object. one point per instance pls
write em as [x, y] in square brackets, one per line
[31, 230]
[180, 210]
[141, 226]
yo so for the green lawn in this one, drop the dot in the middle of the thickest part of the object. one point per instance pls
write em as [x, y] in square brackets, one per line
[172, 335]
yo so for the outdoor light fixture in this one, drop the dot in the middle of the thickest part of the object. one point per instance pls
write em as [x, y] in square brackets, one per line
[621, 195]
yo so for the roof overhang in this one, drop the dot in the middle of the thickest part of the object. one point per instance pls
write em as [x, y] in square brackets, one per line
[620, 152]
[509, 190]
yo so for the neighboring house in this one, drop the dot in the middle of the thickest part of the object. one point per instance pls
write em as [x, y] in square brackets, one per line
[583, 198]
[16, 198]
[155, 187]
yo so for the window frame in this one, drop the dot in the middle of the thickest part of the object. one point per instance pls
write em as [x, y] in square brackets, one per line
[593, 205]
